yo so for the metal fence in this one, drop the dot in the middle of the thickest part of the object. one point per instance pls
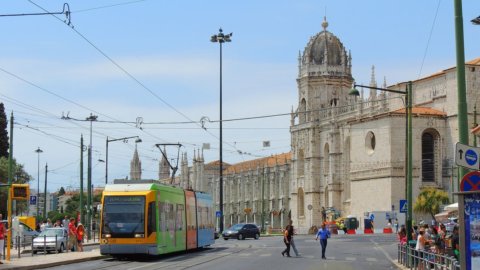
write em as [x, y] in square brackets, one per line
[417, 259]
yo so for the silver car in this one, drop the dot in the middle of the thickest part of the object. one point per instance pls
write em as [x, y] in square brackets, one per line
[45, 241]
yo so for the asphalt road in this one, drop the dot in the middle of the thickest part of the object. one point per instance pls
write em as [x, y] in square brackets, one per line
[343, 252]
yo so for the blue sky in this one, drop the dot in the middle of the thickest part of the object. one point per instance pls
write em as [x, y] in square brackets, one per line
[173, 71]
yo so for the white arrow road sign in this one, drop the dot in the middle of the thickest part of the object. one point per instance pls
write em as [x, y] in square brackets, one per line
[467, 156]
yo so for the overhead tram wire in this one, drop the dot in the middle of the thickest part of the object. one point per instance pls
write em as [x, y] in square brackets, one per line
[429, 38]
[127, 73]
[108, 6]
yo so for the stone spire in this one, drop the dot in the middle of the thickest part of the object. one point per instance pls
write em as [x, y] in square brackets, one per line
[163, 167]
[135, 166]
[373, 83]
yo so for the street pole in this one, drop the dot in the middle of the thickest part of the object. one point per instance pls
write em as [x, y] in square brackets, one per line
[45, 214]
[38, 151]
[82, 207]
[91, 118]
[410, 162]
[221, 38]
[263, 200]
[106, 162]
[462, 107]
[10, 176]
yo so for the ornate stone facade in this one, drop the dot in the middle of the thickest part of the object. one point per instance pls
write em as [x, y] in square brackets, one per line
[347, 153]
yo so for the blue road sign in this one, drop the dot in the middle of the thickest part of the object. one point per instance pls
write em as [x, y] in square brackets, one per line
[471, 157]
[403, 206]
[372, 216]
[33, 200]
[218, 214]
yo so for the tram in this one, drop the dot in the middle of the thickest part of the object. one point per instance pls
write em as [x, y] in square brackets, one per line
[151, 218]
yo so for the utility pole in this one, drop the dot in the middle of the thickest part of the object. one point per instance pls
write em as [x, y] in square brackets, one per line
[10, 176]
[82, 208]
[263, 199]
[91, 118]
[38, 151]
[45, 193]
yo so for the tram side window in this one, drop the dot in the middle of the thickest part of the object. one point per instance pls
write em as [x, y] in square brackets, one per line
[180, 215]
[151, 227]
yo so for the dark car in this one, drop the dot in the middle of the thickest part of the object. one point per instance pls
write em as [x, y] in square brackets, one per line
[242, 231]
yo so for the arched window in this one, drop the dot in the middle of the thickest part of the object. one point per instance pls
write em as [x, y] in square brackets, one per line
[301, 203]
[300, 163]
[326, 159]
[302, 111]
[430, 155]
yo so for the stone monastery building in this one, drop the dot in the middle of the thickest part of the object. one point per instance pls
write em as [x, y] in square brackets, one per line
[347, 153]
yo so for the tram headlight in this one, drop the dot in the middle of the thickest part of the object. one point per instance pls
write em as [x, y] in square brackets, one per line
[107, 235]
[139, 235]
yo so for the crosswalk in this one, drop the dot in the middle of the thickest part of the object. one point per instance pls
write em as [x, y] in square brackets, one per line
[313, 257]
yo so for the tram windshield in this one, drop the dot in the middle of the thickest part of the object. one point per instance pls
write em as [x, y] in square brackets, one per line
[123, 216]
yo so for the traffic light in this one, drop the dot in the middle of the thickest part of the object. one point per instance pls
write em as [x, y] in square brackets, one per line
[20, 191]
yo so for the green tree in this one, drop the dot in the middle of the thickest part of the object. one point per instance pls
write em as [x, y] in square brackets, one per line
[4, 145]
[61, 191]
[429, 201]
[19, 177]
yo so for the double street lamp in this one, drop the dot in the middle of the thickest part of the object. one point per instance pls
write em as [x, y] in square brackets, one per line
[138, 140]
[221, 38]
[408, 145]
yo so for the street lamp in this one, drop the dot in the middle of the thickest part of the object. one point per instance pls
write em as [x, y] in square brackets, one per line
[91, 118]
[408, 155]
[138, 140]
[221, 38]
[38, 151]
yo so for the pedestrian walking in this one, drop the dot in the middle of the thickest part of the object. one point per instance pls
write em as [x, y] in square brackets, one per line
[292, 240]
[324, 214]
[323, 234]
[286, 239]
[3, 233]
[80, 234]
[72, 235]
[65, 222]
[395, 224]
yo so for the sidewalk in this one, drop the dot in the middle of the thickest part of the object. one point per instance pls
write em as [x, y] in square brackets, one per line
[40, 260]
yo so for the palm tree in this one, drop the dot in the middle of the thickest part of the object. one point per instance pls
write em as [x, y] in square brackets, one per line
[429, 201]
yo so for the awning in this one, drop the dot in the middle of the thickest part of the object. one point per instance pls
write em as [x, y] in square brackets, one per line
[450, 207]
[444, 216]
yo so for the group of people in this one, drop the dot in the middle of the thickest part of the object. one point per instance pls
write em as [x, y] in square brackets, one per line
[432, 238]
[323, 234]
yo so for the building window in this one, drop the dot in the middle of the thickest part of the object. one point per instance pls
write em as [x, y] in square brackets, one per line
[302, 111]
[301, 163]
[428, 157]
[326, 159]
[370, 143]
[301, 203]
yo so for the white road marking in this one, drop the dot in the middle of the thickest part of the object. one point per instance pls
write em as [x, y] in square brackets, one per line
[371, 259]
[265, 255]
[143, 266]
[350, 258]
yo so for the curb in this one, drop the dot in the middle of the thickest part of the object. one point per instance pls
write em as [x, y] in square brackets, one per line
[53, 264]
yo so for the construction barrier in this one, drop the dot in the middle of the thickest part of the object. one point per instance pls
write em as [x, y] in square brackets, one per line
[368, 231]
[387, 230]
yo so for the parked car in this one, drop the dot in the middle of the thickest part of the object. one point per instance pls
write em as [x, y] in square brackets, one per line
[242, 231]
[46, 240]
[26, 233]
